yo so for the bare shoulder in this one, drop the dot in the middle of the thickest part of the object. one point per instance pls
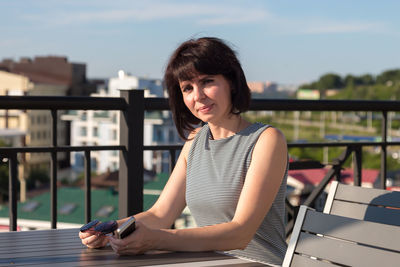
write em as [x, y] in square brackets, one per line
[273, 135]
[188, 143]
[274, 140]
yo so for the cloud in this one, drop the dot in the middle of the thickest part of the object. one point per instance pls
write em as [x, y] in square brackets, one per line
[344, 27]
[235, 16]
[315, 25]
[201, 14]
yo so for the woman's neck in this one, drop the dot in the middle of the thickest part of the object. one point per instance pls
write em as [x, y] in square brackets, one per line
[230, 127]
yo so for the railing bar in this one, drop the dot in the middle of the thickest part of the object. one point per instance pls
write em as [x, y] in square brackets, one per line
[87, 187]
[383, 149]
[329, 175]
[58, 149]
[357, 166]
[62, 103]
[12, 190]
[53, 174]
[7, 150]
[342, 144]
[172, 155]
[163, 147]
[323, 105]
[114, 103]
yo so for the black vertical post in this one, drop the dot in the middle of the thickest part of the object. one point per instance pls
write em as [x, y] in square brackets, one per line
[87, 187]
[12, 190]
[383, 150]
[131, 160]
[53, 171]
[357, 163]
[172, 161]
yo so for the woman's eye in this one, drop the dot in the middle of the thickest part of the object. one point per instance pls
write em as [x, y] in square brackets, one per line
[208, 81]
[186, 88]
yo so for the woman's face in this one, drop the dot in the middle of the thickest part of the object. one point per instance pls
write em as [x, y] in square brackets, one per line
[208, 97]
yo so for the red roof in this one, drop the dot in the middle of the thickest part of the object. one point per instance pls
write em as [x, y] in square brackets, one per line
[314, 176]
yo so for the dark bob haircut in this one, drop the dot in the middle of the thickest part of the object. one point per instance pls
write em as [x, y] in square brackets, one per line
[203, 56]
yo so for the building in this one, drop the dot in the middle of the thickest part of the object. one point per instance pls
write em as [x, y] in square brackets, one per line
[42, 76]
[265, 89]
[310, 94]
[54, 70]
[302, 182]
[102, 127]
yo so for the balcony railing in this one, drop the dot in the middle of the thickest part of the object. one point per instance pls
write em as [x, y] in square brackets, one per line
[133, 105]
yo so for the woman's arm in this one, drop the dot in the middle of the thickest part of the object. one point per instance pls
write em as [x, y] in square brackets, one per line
[171, 201]
[261, 185]
[167, 208]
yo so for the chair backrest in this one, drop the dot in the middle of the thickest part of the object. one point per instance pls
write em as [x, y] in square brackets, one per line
[320, 239]
[368, 204]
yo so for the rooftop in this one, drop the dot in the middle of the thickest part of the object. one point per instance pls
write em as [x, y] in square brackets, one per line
[71, 203]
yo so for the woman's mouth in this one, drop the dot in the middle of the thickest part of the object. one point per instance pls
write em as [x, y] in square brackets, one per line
[205, 109]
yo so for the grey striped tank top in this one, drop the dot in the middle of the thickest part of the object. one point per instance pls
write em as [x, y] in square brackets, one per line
[216, 170]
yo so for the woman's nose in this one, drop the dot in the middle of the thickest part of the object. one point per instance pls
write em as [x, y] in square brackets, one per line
[198, 93]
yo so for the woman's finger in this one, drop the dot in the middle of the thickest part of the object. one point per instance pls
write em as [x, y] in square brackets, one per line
[94, 241]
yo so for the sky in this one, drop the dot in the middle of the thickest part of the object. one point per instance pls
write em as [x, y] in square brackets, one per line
[288, 42]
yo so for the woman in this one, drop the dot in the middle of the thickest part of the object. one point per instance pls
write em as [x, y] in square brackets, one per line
[230, 173]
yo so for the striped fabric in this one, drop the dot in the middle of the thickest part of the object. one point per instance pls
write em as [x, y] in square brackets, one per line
[216, 170]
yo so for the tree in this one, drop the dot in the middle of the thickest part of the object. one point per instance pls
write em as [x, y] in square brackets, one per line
[388, 76]
[349, 80]
[367, 79]
[330, 81]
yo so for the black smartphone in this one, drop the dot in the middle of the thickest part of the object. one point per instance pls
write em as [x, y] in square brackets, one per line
[106, 228]
[126, 228]
[89, 226]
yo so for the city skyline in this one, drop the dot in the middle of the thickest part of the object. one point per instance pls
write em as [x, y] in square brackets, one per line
[280, 41]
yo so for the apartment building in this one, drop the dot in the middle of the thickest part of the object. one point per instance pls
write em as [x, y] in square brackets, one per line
[102, 127]
[42, 76]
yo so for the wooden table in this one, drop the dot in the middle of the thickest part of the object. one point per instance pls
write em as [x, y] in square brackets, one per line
[62, 247]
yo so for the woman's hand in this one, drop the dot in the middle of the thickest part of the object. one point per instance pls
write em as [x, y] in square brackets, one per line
[92, 240]
[141, 240]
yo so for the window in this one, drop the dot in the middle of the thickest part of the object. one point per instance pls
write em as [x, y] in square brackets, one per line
[158, 134]
[79, 160]
[114, 166]
[95, 131]
[114, 118]
[94, 164]
[171, 137]
[83, 131]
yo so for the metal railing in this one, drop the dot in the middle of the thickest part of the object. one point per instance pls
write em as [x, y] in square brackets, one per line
[133, 105]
